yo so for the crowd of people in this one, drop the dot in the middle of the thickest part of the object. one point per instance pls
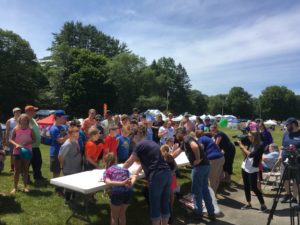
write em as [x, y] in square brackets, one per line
[106, 142]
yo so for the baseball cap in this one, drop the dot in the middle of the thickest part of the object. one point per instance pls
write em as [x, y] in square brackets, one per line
[30, 108]
[290, 121]
[60, 112]
[16, 109]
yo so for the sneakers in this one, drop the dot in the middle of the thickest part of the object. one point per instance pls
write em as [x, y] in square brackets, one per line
[245, 207]
[263, 209]
[197, 216]
[285, 199]
[212, 217]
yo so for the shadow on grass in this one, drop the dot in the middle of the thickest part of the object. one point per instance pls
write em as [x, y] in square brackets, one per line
[6, 174]
[2, 223]
[8, 204]
[39, 193]
[41, 184]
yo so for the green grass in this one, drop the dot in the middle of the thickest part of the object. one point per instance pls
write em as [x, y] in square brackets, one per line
[42, 206]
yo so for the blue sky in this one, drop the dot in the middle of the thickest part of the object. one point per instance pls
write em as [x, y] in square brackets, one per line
[221, 43]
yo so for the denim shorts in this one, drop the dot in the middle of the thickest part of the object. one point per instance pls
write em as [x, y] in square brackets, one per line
[122, 198]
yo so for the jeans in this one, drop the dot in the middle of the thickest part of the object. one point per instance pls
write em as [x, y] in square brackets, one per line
[36, 163]
[159, 194]
[200, 190]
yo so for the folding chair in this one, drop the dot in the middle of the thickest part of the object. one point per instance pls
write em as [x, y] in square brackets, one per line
[273, 177]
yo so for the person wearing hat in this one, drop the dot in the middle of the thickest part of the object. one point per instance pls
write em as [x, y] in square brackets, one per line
[58, 133]
[108, 122]
[36, 160]
[291, 139]
[10, 125]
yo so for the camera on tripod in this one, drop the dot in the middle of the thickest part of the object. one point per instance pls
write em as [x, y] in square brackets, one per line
[293, 156]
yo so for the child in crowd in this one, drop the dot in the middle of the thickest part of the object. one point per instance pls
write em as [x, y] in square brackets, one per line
[120, 181]
[22, 139]
[111, 142]
[70, 158]
[123, 144]
[165, 151]
[92, 149]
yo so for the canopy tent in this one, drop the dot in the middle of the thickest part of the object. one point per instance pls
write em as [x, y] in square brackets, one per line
[44, 112]
[218, 116]
[154, 112]
[210, 117]
[48, 121]
[178, 118]
[270, 123]
[229, 116]
[193, 118]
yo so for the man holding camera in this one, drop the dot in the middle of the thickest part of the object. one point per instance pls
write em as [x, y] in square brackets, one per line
[290, 141]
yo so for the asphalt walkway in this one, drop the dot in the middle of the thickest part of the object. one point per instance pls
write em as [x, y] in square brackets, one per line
[232, 199]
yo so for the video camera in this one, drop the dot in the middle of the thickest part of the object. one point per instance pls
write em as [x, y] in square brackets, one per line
[242, 138]
[293, 155]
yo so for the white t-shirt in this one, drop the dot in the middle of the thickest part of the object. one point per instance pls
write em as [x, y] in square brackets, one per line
[247, 164]
[170, 134]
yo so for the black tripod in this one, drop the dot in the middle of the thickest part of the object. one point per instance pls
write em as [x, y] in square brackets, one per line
[289, 173]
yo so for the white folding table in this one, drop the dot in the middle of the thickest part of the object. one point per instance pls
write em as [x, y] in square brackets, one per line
[90, 182]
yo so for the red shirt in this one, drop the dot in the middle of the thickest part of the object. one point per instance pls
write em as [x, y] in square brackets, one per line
[92, 150]
[110, 145]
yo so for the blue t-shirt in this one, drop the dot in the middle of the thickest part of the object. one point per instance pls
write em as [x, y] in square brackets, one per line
[290, 138]
[81, 141]
[56, 131]
[271, 159]
[123, 148]
[210, 147]
[149, 135]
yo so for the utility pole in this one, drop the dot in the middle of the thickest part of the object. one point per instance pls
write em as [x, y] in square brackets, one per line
[168, 93]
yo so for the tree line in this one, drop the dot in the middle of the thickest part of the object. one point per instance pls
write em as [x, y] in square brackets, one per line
[87, 68]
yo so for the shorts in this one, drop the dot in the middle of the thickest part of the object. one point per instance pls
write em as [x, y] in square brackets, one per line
[54, 164]
[173, 183]
[121, 199]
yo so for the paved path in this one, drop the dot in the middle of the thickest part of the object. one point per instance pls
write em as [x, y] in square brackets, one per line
[230, 206]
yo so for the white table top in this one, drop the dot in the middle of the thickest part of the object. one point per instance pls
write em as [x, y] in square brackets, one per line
[89, 182]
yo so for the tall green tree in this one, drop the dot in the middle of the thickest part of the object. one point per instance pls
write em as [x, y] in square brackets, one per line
[20, 73]
[174, 79]
[131, 80]
[278, 102]
[77, 35]
[217, 104]
[198, 102]
[88, 84]
[240, 102]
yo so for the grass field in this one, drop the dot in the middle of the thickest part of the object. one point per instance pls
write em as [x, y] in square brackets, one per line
[42, 206]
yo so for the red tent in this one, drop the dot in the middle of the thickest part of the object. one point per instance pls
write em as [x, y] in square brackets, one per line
[48, 121]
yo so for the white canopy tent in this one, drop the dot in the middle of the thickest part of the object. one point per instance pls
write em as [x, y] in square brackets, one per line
[270, 123]
[154, 112]
[218, 116]
[178, 118]
[229, 116]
